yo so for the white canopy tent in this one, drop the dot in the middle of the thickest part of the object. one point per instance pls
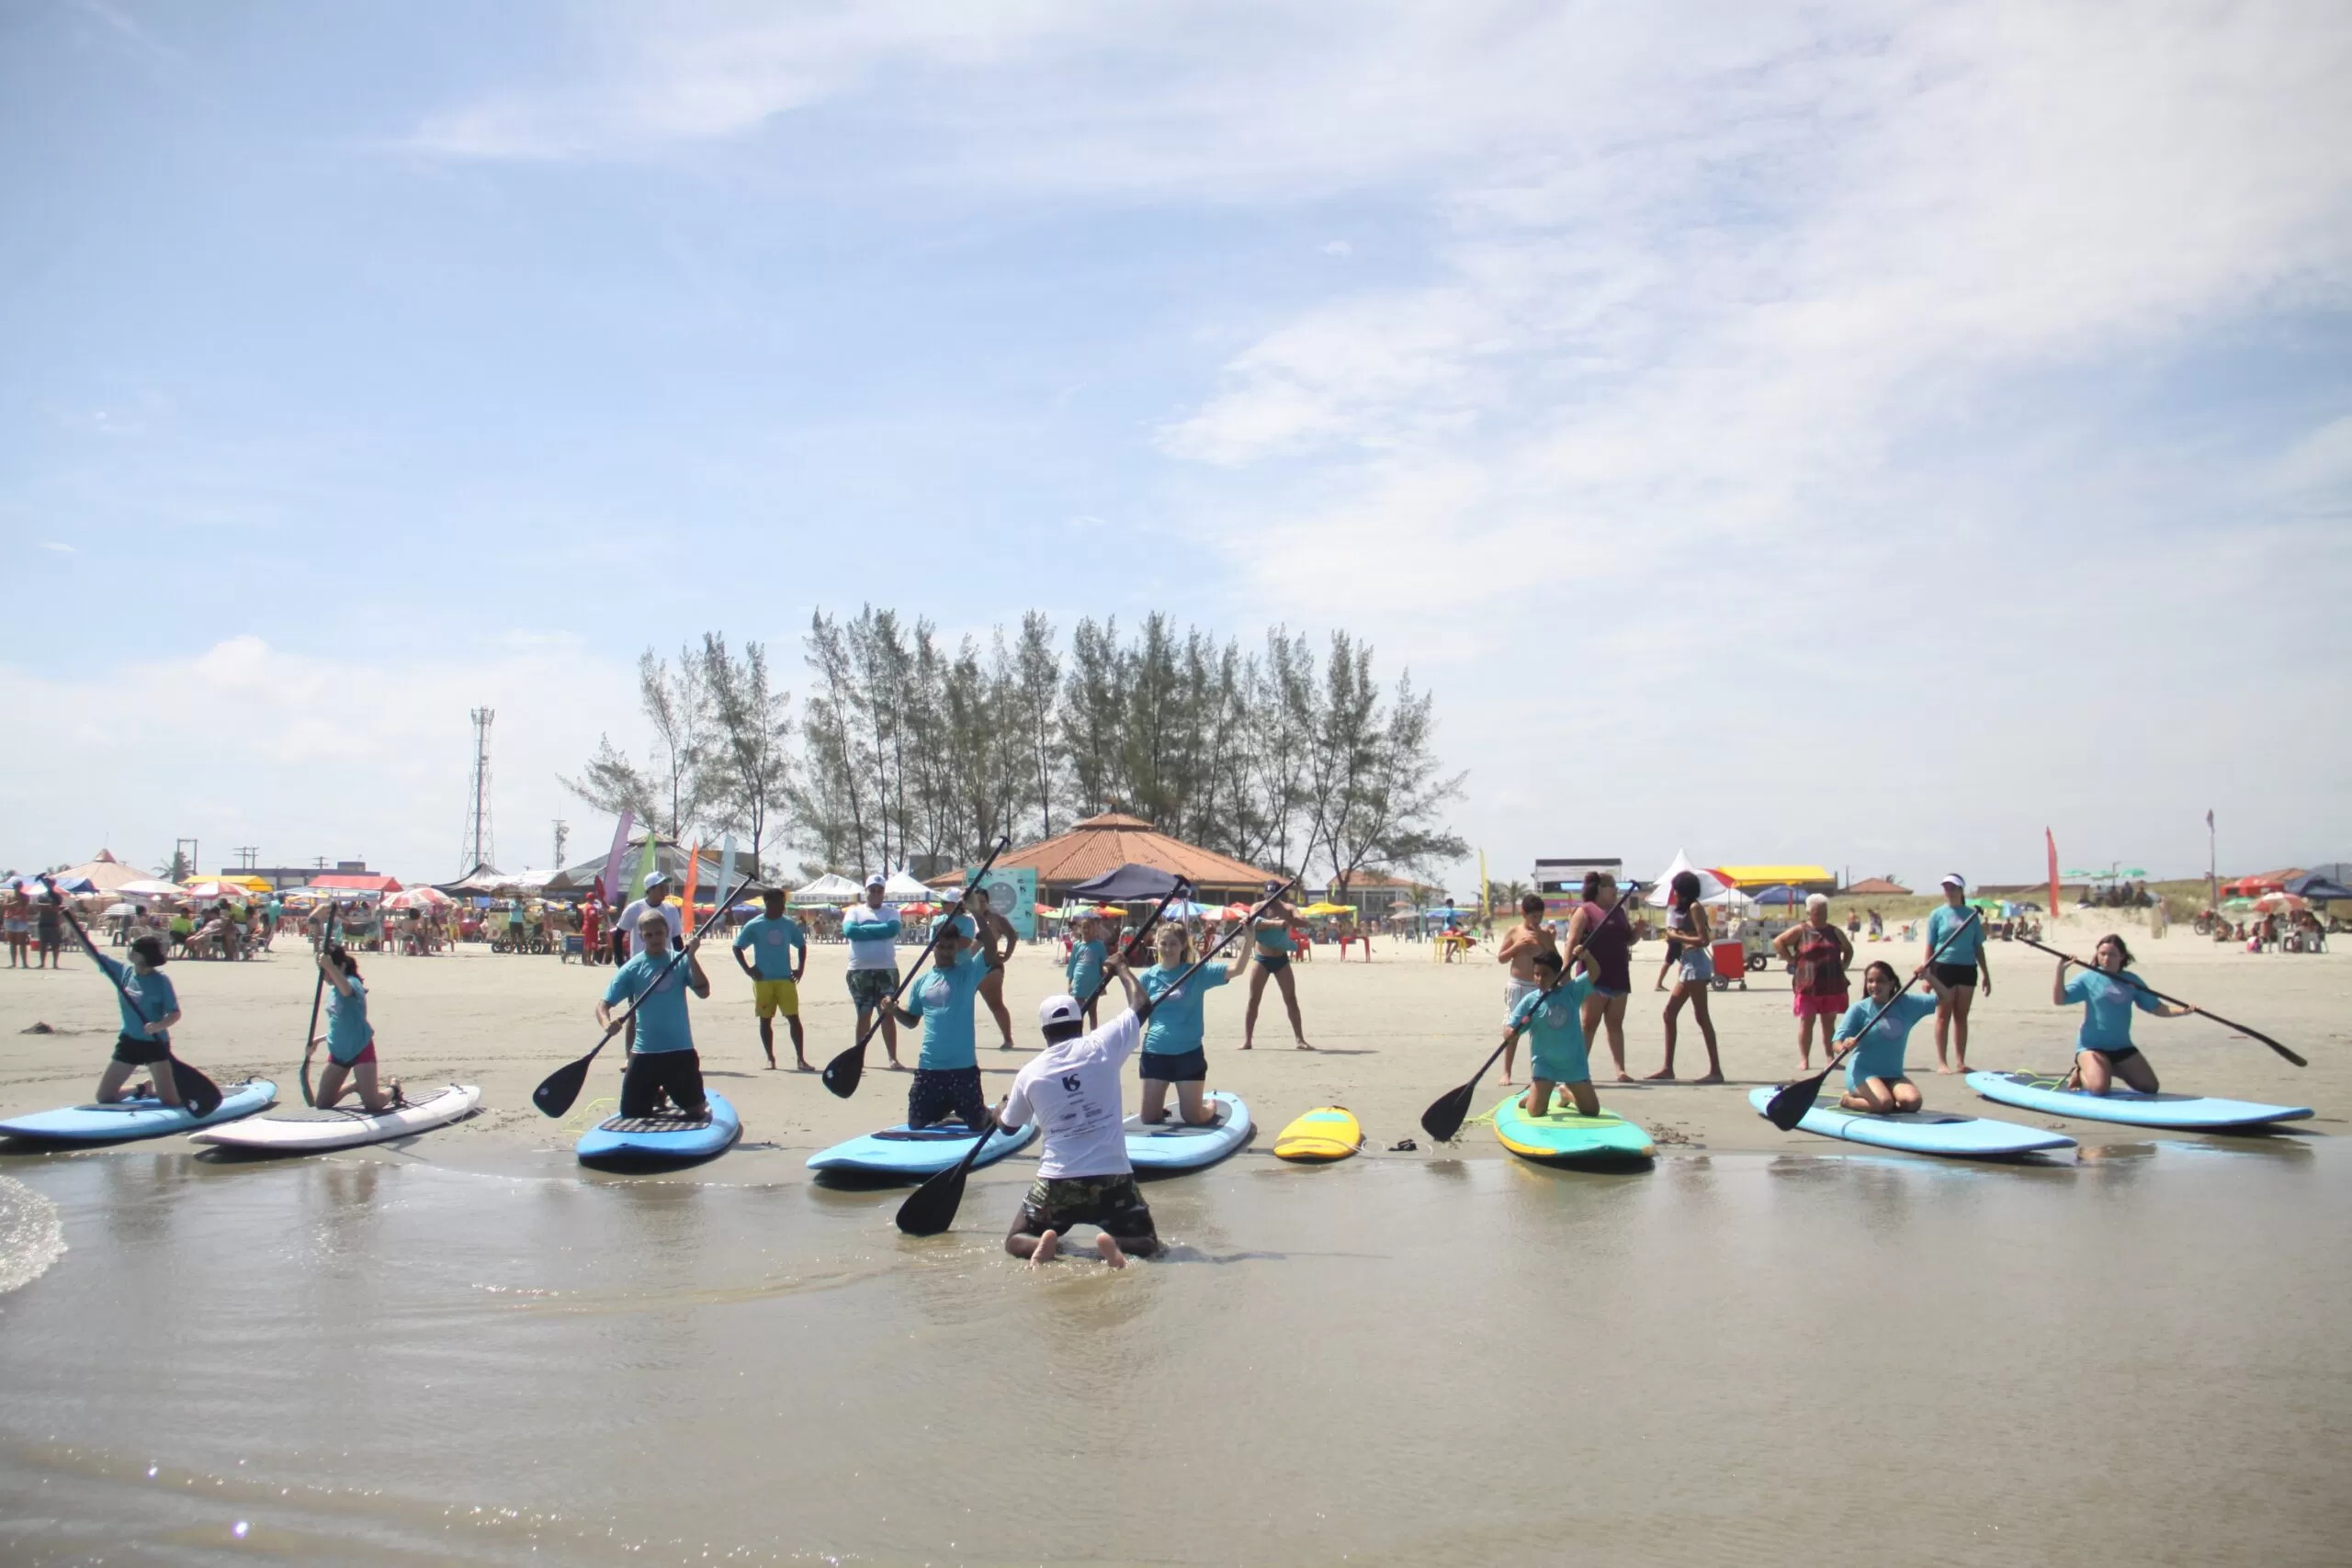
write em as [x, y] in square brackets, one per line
[904, 889]
[831, 888]
[1711, 886]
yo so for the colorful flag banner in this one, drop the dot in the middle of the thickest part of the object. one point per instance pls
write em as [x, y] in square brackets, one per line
[2050, 845]
[694, 874]
[610, 878]
[725, 866]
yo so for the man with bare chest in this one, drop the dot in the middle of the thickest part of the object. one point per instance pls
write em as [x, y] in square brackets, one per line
[1520, 946]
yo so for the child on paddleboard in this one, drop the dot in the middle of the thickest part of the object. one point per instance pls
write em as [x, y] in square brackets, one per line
[662, 1057]
[1071, 1090]
[350, 1039]
[948, 1073]
[1173, 1048]
[2103, 1050]
[150, 1007]
[1874, 1077]
[1553, 1018]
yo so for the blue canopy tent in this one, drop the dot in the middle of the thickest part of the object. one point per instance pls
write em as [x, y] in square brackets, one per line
[2311, 885]
[1129, 881]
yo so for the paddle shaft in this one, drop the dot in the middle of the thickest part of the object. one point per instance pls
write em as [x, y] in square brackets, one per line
[857, 1053]
[2143, 985]
[318, 995]
[202, 1104]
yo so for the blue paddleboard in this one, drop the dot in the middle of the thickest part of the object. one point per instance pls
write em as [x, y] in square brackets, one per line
[1171, 1148]
[2036, 1091]
[137, 1118]
[1921, 1131]
[668, 1135]
[912, 1153]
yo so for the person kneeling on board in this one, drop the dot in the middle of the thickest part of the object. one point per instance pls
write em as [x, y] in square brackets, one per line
[1071, 1088]
[150, 1007]
[2103, 1050]
[1173, 1049]
[350, 1039]
[948, 1073]
[1874, 1079]
[662, 1058]
[1554, 1014]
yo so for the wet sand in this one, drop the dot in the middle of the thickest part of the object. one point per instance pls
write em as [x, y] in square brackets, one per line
[1392, 1035]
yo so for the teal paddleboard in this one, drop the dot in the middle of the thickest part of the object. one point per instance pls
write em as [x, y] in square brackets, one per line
[1921, 1131]
[2039, 1091]
[1564, 1135]
[137, 1118]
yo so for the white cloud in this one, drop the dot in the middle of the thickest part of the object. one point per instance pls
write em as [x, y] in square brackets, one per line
[1337, 248]
[55, 546]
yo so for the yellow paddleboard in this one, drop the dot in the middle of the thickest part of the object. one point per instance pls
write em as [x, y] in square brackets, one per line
[1323, 1134]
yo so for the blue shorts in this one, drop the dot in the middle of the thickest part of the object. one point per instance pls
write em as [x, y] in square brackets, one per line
[1560, 1062]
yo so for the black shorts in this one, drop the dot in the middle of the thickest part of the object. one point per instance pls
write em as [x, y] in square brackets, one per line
[676, 1073]
[1173, 1066]
[1109, 1203]
[2115, 1053]
[1272, 960]
[1957, 975]
[140, 1050]
[937, 1092]
[620, 947]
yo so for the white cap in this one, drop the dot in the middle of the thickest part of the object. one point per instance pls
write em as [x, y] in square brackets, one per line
[1953, 879]
[876, 879]
[1063, 1009]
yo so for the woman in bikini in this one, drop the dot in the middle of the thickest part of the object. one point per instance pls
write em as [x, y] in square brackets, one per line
[1272, 957]
[994, 929]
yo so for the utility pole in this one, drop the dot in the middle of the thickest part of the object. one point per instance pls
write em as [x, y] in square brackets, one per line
[562, 833]
[248, 856]
[478, 847]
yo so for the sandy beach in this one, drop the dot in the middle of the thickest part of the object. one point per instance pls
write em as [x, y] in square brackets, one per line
[1391, 1035]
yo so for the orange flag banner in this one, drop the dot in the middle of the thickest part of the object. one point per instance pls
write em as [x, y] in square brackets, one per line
[694, 869]
[2052, 845]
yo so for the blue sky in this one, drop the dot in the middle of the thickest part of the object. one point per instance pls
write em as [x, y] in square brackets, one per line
[1860, 436]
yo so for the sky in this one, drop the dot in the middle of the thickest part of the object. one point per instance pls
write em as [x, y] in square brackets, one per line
[1864, 435]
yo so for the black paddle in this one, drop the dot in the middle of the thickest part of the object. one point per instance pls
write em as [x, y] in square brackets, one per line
[318, 995]
[1446, 1114]
[1787, 1107]
[931, 1208]
[843, 1073]
[198, 1094]
[2217, 1018]
[554, 1096]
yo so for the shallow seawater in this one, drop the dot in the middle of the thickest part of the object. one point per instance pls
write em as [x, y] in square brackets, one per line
[2137, 1358]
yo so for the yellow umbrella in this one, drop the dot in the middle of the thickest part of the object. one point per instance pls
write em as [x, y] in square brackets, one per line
[1328, 909]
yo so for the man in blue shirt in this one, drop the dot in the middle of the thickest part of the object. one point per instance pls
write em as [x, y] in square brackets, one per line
[781, 951]
[947, 1075]
[662, 1059]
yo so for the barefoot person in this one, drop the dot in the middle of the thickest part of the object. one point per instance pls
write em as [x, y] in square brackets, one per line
[1271, 934]
[2103, 1050]
[1083, 971]
[780, 950]
[350, 1039]
[1174, 1050]
[871, 930]
[997, 941]
[1874, 1077]
[1520, 946]
[1957, 967]
[948, 1073]
[1555, 1043]
[1686, 936]
[1821, 953]
[1071, 1090]
[662, 1055]
[1600, 939]
[150, 1007]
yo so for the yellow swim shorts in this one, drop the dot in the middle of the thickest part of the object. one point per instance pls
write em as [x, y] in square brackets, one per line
[773, 997]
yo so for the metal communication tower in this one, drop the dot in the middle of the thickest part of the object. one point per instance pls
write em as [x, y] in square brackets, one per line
[478, 847]
[562, 831]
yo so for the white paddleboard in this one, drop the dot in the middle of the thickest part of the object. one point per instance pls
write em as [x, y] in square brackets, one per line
[346, 1127]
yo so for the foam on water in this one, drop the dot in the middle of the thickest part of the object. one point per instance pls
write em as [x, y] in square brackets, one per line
[31, 1235]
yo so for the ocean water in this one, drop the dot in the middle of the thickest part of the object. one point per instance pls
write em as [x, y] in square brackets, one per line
[1734, 1359]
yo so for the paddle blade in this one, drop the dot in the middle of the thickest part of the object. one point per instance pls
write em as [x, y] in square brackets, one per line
[198, 1093]
[842, 1072]
[1444, 1117]
[1786, 1108]
[555, 1094]
[931, 1208]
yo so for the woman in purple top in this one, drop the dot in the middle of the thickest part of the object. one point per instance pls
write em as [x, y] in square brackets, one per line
[1599, 936]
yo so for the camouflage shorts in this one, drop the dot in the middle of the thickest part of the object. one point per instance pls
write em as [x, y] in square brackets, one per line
[870, 989]
[1108, 1203]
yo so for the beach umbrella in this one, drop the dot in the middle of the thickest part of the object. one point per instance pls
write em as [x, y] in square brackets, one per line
[219, 887]
[2237, 905]
[919, 910]
[116, 909]
[1328, 908]
[1782, 895]
[1185, 909]
[150, 887]
[1234, 912]
[2280, 904]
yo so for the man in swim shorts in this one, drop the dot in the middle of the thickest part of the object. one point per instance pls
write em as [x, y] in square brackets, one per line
[871, 930]
[781, 951]
[1071, 1089]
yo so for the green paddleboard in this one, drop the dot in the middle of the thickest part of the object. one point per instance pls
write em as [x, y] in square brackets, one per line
[1565, 1135]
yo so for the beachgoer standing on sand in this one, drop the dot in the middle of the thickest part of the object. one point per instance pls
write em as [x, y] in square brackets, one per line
[2103, 1050]
[1821, 953]
[150, 1007]
[1957, 967]
[1174, 1042]
[1874, 1077]
[1271, 932]
[657, 897]
[1603, 943]
[781, 948]
[349, 1038]
[592, 930]
[997, 939]
[1071, 1090]
[1686, 936]
[18, 920]
[662, 1055]
[1520, 945]
[48, 931]
[871, 930]
[1083, 970]
[947, 1073]
[1556, 1052]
